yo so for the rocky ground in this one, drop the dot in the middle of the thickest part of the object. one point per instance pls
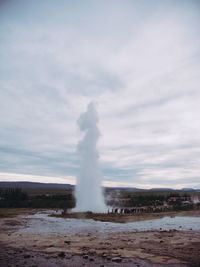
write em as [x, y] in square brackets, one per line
[10, 256]
[150, 248]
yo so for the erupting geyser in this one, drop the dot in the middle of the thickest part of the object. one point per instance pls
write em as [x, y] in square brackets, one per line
[89, 195]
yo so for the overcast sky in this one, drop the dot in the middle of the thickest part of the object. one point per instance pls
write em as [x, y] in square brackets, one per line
[139, 61]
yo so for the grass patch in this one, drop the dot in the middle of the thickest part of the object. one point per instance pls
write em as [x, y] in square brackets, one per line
[12, 212]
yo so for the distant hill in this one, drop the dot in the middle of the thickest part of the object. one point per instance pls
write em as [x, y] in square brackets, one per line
[32, 185]
[134, 189]
[127, 189]
[189, 189]
[162, 189]
[54, 186]
[171, 189]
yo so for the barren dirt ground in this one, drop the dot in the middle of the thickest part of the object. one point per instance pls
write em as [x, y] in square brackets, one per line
[150, 248]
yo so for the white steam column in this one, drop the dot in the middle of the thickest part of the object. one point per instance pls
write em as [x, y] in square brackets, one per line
[89, 195]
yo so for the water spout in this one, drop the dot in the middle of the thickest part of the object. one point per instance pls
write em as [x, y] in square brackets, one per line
[89, 196]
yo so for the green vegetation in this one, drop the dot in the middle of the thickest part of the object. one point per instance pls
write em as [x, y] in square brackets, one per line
[158, 199]
[146, 200]
[12, 212]
[64, 198]
[16, 198]
[171, 200]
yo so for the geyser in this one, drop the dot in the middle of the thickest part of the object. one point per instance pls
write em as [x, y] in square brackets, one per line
[89, 196]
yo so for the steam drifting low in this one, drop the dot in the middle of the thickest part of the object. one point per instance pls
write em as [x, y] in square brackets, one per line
[89, 195]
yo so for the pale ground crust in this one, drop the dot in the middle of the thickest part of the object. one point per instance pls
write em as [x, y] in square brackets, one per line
[124, 218]
[148, 249]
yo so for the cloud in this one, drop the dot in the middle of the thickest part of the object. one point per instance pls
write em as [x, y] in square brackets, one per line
[13, 177]
[138, 60]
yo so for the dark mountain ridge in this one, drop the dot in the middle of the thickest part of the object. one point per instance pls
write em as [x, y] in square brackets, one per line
[34, 185]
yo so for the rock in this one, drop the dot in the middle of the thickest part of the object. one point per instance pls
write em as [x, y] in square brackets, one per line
[61, 254]
[91, 259]
[27, 256]
[85, 256]
[92, 251]
[116, 259]
[67, 242]
[68, 257]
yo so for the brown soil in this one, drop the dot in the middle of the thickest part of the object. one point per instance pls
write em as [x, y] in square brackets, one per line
[11, 256]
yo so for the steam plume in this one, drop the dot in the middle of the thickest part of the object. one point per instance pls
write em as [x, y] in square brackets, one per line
[89, 195]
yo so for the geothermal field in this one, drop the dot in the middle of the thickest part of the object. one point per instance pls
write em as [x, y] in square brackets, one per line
[42, 238]
[96, 226]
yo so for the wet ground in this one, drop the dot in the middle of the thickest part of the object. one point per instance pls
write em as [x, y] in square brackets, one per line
[43, 223]
[35, 239]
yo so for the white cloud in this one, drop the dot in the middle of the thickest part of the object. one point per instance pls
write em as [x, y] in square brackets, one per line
[13, 177]
[138, 61]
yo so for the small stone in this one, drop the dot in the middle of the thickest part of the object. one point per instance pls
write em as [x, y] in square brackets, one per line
[61, 254]
[27, 256]
[68, 257]
[67, 242]
[85, 256]
[92, 251]
[91, 259]
[116, 259]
